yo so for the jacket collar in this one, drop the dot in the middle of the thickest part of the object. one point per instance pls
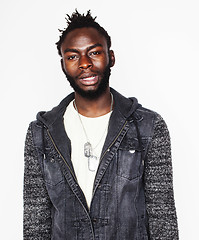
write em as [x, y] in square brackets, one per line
[123, 105]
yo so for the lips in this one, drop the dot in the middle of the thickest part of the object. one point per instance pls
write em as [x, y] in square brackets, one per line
[89, 80]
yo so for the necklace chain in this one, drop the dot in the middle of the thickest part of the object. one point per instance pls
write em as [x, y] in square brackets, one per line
[111, 108]
[88, 148]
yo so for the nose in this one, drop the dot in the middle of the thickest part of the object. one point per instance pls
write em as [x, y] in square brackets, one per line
[85, 62]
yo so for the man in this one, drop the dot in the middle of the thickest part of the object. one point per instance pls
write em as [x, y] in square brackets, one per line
[97, 166]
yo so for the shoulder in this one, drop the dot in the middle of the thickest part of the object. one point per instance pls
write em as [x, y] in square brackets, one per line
[148, 113]
[150, 120]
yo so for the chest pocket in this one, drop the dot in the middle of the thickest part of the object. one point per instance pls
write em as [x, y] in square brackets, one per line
[52, 171]
[129, 159]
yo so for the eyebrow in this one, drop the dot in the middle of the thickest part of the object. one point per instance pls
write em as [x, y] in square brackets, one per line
[88, 49]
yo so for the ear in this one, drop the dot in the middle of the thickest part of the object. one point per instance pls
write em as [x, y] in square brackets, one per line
[111, 58]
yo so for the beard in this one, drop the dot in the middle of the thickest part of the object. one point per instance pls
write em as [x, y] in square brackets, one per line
[92, 94]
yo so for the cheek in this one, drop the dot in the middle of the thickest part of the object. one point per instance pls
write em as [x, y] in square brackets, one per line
[70, 67]
[101, 64]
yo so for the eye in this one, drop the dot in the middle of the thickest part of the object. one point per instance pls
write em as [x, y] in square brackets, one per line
[94, 53]
[72, 57]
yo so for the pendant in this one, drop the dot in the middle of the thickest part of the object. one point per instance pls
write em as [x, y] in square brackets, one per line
[92, 163]
[87, 150]
[92, 160]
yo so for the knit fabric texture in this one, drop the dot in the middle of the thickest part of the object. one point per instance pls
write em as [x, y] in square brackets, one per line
[37, 205]
[159, 186]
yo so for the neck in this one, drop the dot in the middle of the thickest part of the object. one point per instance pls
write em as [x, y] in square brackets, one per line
[94, 107]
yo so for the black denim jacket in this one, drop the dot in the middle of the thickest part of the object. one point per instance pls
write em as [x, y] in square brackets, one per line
[132, 192]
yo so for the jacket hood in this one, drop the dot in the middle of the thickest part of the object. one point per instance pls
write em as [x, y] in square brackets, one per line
[126, 106]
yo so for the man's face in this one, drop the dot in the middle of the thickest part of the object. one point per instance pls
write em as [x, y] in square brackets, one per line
[86, 61]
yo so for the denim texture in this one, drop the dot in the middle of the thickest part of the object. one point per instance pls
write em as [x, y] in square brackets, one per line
[119, 208]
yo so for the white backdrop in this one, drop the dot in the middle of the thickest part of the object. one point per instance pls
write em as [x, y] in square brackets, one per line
[156, 44]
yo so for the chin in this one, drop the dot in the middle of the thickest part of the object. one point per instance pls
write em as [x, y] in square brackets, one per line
[91, 93]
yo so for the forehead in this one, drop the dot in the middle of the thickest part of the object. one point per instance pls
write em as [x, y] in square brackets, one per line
[81, 38]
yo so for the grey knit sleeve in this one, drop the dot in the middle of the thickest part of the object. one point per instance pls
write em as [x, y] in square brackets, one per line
[159, 185]
[37, 220]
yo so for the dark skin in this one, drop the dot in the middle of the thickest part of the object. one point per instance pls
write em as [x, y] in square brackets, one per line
[85, 56]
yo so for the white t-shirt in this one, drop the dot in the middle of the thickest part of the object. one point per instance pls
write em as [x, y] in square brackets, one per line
[96, 130]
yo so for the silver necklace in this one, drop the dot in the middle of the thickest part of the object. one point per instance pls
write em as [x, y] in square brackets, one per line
[88, 148]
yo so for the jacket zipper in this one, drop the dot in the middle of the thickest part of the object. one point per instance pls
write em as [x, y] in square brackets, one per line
[73, 176]
[108, 149]
[113, 141]
[61, 155]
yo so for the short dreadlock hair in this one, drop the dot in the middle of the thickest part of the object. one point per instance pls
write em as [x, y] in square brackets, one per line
[77, 20]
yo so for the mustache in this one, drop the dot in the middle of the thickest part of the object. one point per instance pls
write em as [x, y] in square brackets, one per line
[85, 74]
